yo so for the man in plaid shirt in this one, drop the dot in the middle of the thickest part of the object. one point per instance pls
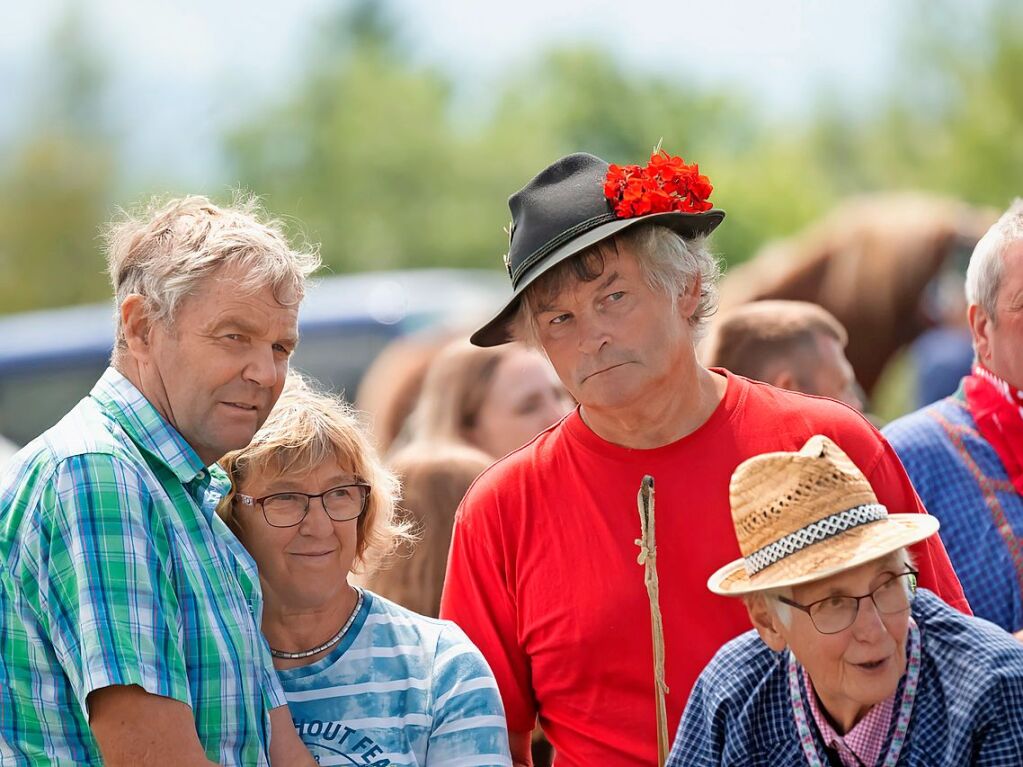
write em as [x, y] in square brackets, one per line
[129, 615]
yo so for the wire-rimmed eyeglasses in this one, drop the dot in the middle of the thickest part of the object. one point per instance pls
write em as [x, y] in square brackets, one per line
[342, 504]
[837, 613]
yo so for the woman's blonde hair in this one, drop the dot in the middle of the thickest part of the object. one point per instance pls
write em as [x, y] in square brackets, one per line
[453, 392]
[435, 477]
[308, 427]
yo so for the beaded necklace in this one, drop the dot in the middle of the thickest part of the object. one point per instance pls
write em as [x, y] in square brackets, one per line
[806, 739]
[326, 645]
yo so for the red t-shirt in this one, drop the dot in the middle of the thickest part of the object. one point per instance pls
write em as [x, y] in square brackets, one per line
[543, 574]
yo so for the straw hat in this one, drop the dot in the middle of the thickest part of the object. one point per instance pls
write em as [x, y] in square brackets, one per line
[804, 516]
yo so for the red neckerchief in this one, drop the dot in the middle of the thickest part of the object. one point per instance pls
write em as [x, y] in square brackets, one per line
[998, 410]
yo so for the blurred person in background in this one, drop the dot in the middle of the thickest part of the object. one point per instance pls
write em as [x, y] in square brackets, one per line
[120, 588]
[494, 399]
[434, 478]
[793, 345]
[965, 453]
[613, 279]
[367, 681]
[850, 663]
[390, 387]
[942, 355]
[476, 405]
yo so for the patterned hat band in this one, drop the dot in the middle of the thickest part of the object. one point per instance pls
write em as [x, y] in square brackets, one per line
[815, 532]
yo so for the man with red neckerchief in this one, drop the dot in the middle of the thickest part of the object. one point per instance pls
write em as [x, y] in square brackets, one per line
[965, 453]
[613, 280]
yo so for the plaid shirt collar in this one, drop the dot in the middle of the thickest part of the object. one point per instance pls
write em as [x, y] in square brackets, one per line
[147, 428]
[863, 743]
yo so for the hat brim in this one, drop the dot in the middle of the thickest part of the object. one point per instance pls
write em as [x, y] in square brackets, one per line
[496, 331]
[829, 557]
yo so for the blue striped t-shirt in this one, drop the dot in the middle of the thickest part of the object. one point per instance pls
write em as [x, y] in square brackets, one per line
[399, 689]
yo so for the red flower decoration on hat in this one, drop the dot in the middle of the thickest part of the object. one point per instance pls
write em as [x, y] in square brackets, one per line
[665, 185]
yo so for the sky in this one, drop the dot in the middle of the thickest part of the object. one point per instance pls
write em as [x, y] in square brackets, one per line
[183, 71]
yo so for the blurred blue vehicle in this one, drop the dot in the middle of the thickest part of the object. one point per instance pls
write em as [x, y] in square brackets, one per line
[50, 359]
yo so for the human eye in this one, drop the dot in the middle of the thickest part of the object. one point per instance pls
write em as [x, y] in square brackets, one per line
[528, 406]
[283, 349]
[559, 319]
[618, 295]
[284, 498]
[887, 585]
[835, 604]
[341, 493]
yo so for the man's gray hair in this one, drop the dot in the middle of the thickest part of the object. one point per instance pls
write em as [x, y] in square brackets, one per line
[668, 262]
[784, 611]
[984, 274]
[165, 250]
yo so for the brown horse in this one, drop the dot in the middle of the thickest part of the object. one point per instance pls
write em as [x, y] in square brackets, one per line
[868, 262]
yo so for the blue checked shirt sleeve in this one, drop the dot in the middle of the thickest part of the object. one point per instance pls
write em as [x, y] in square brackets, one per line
[93, 571]
[469, 728]
[248, 579]
[699, 740]
[272, 689]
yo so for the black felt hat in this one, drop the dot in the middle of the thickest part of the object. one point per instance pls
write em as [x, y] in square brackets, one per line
[560, 213]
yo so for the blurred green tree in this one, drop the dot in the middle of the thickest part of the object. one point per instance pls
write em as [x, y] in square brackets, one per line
[370, 153]
[365, 155]
[56, 185]
[369, 156]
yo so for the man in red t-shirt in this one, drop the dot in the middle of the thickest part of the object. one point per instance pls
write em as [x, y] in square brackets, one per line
[612, 279]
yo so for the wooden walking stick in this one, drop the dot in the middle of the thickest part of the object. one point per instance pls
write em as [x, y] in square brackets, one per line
[648, 558]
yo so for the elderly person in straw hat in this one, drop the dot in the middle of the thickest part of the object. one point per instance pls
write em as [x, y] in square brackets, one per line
[850, 663]
[367, 681]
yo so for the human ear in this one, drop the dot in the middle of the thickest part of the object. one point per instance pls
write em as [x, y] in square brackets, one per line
[689, 298]
[784, 379]
[765, 622]
[980, 327]
[136, 325]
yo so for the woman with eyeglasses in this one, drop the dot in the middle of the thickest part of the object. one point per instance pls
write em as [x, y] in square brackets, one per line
[849, 663]
[368, 682]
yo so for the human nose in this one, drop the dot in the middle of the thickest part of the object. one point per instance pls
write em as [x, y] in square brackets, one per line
[261, 368]
[593, 334]
[868, 619]
[316, 520]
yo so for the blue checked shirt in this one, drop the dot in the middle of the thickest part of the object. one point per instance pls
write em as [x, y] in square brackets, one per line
[962, 482]
[968, 708]
[114, 570]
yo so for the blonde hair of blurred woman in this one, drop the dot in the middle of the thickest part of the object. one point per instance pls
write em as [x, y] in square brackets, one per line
[434, 478]
[390, 387]
[456, 406]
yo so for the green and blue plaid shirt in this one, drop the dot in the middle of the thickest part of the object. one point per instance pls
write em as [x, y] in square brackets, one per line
[115, 570]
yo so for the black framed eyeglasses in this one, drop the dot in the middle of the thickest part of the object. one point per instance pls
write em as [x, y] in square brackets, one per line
[342, 504]
[837, 613]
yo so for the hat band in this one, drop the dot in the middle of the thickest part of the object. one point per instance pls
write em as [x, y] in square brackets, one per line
[815, 532]
[553, 244]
